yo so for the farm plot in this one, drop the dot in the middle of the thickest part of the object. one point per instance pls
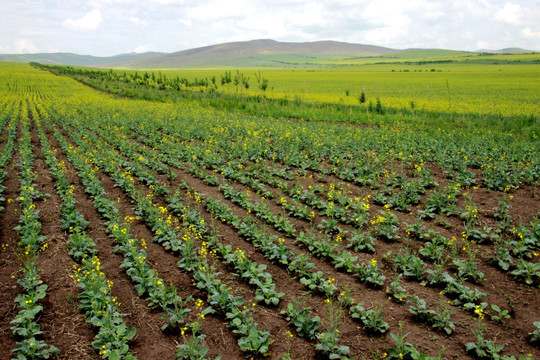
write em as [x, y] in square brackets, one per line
[134, 229]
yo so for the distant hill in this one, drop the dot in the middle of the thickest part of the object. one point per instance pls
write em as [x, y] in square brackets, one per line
[261, 53]
[505, 51]
[79, 60]
[243, 53]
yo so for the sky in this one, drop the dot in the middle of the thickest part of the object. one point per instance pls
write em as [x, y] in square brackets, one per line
[111, 27]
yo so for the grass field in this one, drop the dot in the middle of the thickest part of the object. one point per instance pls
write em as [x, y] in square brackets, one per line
[176, 230]
[460, 88]
[440, 81]
[471, 92]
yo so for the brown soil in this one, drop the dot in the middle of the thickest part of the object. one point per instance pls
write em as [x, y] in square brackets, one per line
[9, 258]
[73, 334]
[421, 335]
[65, 326]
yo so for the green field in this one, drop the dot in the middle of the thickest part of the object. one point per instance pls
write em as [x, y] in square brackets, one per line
[141, 221]
[456, 87]
[432, 88]
[442, 81]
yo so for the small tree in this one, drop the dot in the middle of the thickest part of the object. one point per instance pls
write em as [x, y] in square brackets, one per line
[226, 78]
[362, 97]
[264, 84]
[378, 107]
[245, 82]
[237, 79]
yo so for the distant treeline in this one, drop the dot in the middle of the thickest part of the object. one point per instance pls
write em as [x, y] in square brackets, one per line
[159, 81]
[421, 62]
[467, 60]
[216, 93]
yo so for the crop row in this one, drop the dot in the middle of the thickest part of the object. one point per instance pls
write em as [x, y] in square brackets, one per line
[252, 339]
[25, 325]
[398, 219]
[474, 307]
[328, 339]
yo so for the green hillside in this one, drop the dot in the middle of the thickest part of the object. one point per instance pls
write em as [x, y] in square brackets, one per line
[271, 53]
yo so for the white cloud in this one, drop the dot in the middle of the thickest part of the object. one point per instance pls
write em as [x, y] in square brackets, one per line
[219, 9]
[169, 2]
[510, 13]
[484, 3]
[529, 33]
[185, 21]
[24, 46]
[143, 48]
[90, 21]
[482, 45]
[173, 25]
[141, 22]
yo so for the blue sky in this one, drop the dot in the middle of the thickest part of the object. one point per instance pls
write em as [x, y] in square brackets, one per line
[110, 27]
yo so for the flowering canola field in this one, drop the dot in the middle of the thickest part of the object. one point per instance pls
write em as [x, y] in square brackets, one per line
[489, 89]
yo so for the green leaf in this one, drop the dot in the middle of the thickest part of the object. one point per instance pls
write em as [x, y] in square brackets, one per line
[130, 333]
[470, 346]
[114, 355]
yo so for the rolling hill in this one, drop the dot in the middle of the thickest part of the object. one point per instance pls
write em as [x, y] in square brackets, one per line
[263, 52]
[78, 60]
[513, 50]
